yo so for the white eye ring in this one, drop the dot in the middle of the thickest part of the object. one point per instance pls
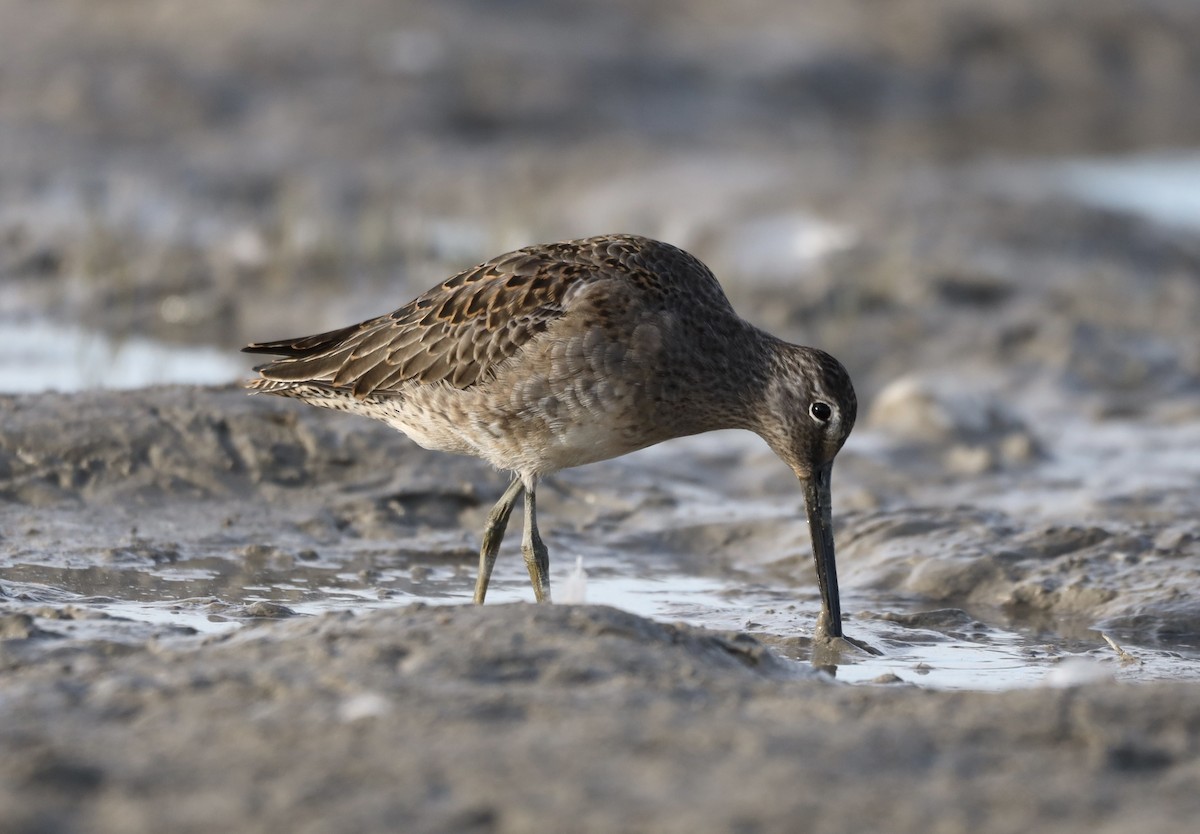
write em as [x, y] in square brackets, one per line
[821, 411]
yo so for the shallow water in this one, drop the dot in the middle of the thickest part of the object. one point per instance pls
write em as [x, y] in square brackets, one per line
[918, 644]
[1164, 187]
[52, 356]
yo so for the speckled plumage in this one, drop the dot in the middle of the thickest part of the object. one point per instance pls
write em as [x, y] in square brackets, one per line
[562, 354]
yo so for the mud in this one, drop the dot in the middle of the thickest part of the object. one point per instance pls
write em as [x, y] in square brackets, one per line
[225, 612]
[511, 718]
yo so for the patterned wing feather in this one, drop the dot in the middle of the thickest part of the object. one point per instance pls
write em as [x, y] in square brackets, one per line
[456, 332]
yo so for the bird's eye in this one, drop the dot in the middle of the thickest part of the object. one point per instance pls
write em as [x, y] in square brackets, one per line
[821, 412]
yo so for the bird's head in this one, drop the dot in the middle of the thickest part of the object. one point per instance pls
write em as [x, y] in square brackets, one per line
[810, 410]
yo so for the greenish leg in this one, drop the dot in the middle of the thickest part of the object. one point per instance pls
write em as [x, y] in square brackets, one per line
[493, 534]
[537, 557]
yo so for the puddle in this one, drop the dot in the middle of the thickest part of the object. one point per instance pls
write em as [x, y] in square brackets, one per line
[44, 356]
[945, 649]
[1164, 188]
[1161, 187]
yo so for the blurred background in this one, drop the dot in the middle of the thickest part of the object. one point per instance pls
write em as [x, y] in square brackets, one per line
[910, 184]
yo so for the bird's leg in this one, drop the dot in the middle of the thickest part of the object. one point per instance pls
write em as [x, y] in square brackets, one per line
[537, 557]
[493, 534]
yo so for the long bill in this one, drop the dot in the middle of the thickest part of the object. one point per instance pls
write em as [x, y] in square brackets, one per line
[820, 524]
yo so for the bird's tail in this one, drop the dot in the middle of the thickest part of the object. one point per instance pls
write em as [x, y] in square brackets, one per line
[303, 346]
[262, 385]
[304, 362]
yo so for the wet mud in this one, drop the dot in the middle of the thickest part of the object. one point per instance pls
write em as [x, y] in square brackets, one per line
[229, 612]
[587, 719]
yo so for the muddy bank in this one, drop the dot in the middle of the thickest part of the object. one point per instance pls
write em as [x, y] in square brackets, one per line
[252, 471]
[514, 718]
[190, 504]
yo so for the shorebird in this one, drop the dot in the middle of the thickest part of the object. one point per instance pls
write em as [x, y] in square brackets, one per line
[562, 354]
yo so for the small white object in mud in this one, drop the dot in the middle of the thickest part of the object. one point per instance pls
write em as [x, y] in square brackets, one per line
[362, 706]
[1076, 671]
[574, 591]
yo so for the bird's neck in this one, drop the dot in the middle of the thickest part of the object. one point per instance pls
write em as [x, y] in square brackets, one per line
[726, 391]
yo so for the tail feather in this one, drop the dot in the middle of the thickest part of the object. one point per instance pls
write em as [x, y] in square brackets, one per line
[312, 359]
[305, 345]
[315, 393]
[261, 385]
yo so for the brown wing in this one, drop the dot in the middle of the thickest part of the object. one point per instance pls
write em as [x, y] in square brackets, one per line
[456, 332]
